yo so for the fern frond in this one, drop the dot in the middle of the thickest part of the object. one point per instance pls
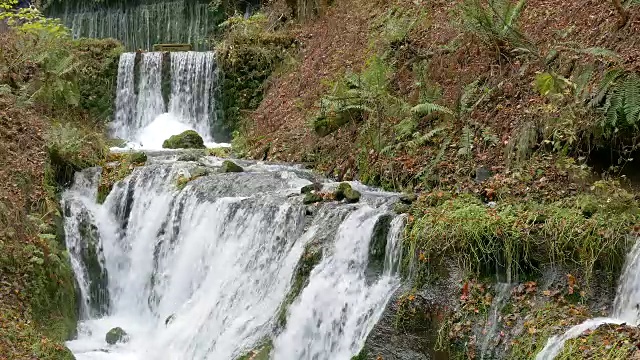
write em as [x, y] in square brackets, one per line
[512, 16]
[405, 128]
[631, 90]
[466, 141]
[609, 79]
[428, 108]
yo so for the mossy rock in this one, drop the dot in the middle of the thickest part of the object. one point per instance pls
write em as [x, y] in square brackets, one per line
[116, 335]
[259, 353]
[190, 156]
[408, 198]
[401, 208]
[310, 188]
[138, 157]
[189, 139]
[347, 193]
[312, 198]
[229, 166]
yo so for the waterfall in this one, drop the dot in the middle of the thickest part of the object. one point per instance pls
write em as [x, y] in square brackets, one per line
[201, 272]
[146, 117]
[625, 307]
[139, 25]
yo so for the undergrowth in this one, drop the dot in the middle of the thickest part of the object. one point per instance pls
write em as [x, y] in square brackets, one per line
[588, 231]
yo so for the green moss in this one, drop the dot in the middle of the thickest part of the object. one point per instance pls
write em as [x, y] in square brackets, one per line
[97, 79]
[518, 235]
[189, 139]
[310, 258]
[260, 353]
[221, 152]
[116, 167]
[344, 191]
[312, 198]
[229, 166]
[196, 173]
[249, 53]
[116, 335]
[611, 342]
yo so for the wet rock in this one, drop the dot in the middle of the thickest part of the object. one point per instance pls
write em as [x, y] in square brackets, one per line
[138, 157]
[482, 174]
[312, 198]
[190, 156]
[346, 192]
[186, 140]
[169, 319]
[400, 208]
[116, 335]
[229, 166]
[311, 187]
[408, 198]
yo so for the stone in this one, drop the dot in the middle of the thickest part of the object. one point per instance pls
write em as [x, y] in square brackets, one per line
[310, 188]
[189, 139]
[229, 166]
[482, 174]
[401, 208]
[312, 198]
[116, 335]
[408, 198]
[352, 196]
[138, 157]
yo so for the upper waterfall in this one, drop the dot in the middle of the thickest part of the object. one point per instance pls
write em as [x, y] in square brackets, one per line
[139, 24]
[202, 272]
[163, 94]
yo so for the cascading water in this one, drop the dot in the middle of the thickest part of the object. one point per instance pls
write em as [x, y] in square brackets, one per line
[139, 24]
[625, 307]
[189, 79]
[201, 273]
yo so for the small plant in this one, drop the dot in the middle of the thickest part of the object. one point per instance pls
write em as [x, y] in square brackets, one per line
[495, 22]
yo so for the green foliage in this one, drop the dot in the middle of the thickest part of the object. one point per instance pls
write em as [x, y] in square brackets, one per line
[495, 22]
[248, 53]
[519, 236]
[72, 148]
[622, 106]
[97, 74]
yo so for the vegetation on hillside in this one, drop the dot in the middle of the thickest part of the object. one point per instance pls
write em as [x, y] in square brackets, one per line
[55, 96]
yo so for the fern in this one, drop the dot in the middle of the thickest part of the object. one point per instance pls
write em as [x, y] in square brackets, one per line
[466, 141]
[427, 108]
[405, 128]
[622, 105]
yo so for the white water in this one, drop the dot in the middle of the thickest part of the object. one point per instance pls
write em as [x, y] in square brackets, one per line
[144, 119]
[503, 290]
[625, 308]
[139, 26]
[219, 256]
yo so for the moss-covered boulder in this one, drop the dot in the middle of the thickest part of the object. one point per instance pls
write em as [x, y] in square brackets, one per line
[189, 139]
[347, 193]
[312, 198]
[138, 157]
[116, 335]
[310, 188]
[229, 166]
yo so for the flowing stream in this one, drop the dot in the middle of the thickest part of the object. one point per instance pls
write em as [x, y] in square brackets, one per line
[625, 308]
[201, 272]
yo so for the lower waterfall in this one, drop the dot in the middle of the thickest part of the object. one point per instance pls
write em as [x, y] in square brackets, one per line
[202, 272]
[625, 307]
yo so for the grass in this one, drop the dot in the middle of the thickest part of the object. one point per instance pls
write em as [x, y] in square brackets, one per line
[612, 342]
[589, 231]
